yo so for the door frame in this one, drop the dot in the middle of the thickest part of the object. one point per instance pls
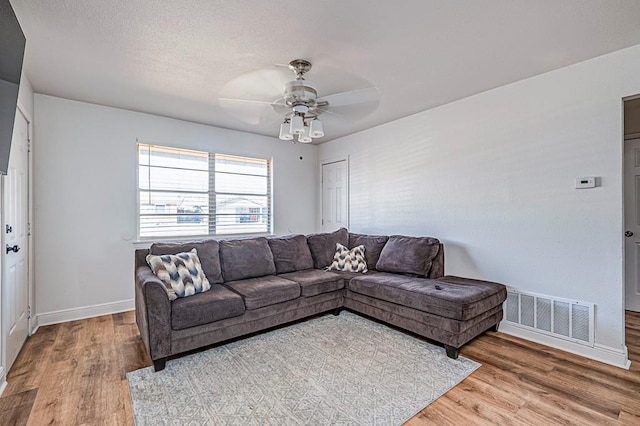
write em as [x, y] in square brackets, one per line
[624, 221]
[625, 227]
[320, 192]
[625, 138]
[31, 321]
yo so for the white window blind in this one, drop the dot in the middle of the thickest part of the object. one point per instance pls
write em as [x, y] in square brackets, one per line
[185, 193]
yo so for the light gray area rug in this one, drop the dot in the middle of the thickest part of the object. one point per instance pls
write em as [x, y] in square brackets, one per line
[343, 370]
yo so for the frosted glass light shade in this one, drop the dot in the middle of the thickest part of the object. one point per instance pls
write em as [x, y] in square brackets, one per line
[305, 137]
[285, 132]
[297, 125]
[316, 130]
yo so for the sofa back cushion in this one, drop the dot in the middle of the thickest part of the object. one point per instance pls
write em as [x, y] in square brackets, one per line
[373, 245]
[242, 259]
[437, 266]
[323, 246]
[291, 253]
[208, 253]
[408, 255]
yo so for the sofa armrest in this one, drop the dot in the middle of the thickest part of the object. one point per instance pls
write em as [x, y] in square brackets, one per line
[153, 313]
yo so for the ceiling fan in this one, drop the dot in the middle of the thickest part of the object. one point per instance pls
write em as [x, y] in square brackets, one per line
[300, 107]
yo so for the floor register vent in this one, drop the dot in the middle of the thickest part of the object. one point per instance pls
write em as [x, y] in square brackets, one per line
[562, 318]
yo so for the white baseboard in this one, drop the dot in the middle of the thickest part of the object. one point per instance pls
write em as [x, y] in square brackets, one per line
[33, 325]
[65, 315]
[608, 355]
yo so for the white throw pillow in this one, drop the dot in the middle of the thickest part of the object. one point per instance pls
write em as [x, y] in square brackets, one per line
[348, 260]
[182, 273]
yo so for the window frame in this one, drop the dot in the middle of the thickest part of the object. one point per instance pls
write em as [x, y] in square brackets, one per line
[211, 194]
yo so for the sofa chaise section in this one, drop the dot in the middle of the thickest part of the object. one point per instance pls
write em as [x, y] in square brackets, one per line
[450, 310]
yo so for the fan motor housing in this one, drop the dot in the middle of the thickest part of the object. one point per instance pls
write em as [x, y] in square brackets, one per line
[300, 92]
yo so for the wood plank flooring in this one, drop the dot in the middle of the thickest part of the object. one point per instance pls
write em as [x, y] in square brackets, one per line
[74, 374]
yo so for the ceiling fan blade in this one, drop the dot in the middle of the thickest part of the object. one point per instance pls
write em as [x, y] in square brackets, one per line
[246, 101]
[280, 106]
[263, 85]
[351, 112]
[251, 111]
[351, 97]
[254, 111]
[324, 110]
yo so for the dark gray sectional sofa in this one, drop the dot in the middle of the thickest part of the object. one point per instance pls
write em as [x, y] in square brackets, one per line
[259, 283]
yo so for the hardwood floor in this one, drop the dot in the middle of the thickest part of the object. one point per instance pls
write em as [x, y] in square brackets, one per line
[74, 374]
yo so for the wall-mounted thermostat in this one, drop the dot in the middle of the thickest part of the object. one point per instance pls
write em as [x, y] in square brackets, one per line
[585, 182]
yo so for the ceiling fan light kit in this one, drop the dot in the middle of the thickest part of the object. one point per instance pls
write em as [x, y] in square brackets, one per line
[302, 126]
[305, 137]
[285, 131]
[316, 129]
[297, 124]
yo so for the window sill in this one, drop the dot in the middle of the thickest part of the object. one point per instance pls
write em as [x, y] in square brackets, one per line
[146, 242]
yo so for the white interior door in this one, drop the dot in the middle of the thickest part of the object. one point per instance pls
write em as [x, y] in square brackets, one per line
[15, 293]
[632, 223]
[335, 190]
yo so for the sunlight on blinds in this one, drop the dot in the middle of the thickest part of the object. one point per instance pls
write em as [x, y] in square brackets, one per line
[184, 193]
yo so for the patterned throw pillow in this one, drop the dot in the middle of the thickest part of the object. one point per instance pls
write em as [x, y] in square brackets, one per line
[181, 273]
[348, 260]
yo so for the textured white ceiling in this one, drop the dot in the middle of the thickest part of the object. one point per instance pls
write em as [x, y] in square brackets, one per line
[174, 58]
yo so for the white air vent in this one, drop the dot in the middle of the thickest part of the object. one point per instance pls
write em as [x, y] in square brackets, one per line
[566, 319]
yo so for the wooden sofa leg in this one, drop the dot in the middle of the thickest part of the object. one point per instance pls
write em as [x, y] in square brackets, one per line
[159, 364]
[336, 311]
[452, 352]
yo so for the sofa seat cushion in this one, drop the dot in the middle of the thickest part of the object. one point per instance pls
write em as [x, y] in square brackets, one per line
[203, 308]
[265, 291]
[346, 275]
[313, 282]
[456, 298]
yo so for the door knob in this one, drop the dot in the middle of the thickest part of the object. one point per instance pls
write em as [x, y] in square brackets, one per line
[14, 249]
[628, 234]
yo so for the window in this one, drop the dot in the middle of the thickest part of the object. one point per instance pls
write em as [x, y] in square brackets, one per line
[184, 193]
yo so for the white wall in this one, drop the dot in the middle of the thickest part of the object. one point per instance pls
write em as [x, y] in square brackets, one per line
[492, 176]
[85, 196]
